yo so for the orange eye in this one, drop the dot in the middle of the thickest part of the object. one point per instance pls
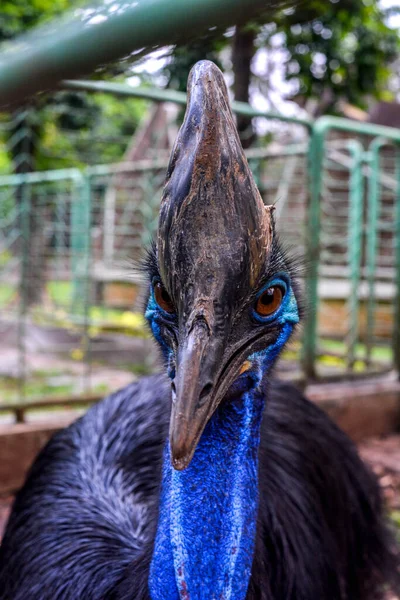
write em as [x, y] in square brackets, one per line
[162, 298]
[269, 301]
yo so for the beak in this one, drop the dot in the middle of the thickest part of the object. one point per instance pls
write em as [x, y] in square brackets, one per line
[192, 394]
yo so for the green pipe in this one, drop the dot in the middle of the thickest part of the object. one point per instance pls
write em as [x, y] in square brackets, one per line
[87, 281]
[355, 227]
[396, 328]
[40, 176]
[312, 247]
[115, 168]
[324, 124]
[123, 89]
[94, 36]
[373, 200]
[25, 223]
[165, 95]
[80, 217]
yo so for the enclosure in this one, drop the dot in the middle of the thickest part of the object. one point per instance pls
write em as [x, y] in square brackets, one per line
[72, 240]
[72, 237]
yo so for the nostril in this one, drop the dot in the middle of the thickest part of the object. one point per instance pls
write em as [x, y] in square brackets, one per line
[173, 389]
[205, 392]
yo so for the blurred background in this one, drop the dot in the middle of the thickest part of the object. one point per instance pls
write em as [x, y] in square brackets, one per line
[82, 165]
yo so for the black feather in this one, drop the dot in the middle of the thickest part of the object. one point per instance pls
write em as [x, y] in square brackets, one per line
[83, 526]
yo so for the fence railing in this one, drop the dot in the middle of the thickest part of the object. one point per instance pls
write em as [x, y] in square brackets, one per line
[69, 237]
[69, 286]
[375, 177]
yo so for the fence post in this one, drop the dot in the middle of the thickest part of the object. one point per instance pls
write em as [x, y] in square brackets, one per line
[312, 246]
[81, 217]
[396, 322]
[373, 200]
[24, 197]
[355, 226]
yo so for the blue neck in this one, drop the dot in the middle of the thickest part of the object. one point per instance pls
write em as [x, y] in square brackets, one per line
[207, 524]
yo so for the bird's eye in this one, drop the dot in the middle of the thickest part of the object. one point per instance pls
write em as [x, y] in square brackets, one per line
[269, 301]
[162, 298]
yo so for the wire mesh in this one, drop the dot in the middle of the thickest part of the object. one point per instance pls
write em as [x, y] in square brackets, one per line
[81, 183]
[357, 280]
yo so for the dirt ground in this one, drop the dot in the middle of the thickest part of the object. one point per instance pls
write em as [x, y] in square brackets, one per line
[383, 455]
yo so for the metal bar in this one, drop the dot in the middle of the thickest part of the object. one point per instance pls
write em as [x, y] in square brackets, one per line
[162, 95]
[396, 328]
[324, 124]
[71, 48]
[122, 89]
[141, 166]
[79, 221]
[373, 200]
[40, 176]
[109, 219]
[23, 407]
[312, 251]
[60, 224]
[25, 216]
[87, 215]
[138, 166]
[355, 227]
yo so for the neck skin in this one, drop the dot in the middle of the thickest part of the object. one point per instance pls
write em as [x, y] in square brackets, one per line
[207, 524]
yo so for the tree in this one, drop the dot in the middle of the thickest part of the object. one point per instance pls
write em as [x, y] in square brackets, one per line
[339, 50]
[335, 50]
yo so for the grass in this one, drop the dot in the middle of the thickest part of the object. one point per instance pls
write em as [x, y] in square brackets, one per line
[332, 353]
[379, 353]
[101, 319]
[60, 292]
[42, 384]
[35, 387]
[7, 293]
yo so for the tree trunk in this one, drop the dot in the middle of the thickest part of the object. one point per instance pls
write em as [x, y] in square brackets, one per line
[242, 54]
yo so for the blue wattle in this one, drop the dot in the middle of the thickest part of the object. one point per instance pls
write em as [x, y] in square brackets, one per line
[205, 540]
[208, 513]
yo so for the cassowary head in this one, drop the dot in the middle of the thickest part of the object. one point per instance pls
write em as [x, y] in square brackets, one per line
[221, 301]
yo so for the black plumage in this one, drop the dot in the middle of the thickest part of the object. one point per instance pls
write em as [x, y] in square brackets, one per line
[83, 526]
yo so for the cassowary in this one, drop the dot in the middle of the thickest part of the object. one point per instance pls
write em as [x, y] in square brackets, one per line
[254, 493]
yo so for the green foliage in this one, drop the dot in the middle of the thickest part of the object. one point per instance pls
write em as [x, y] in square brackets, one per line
[17, 16]
[79, 129]
[68, 129]
[335, 49]
[344, 48]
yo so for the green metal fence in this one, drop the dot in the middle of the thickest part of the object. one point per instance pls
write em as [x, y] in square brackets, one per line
[372, 245]
[70, 238]
[69, 288]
